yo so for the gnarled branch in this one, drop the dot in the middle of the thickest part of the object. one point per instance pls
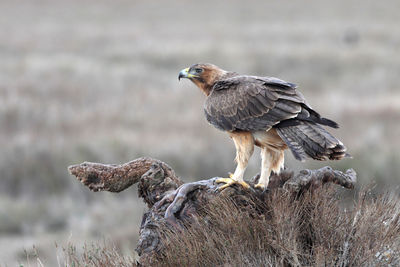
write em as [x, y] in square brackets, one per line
[172, 202]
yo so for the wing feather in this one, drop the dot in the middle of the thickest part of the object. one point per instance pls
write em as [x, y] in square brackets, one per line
[253, 103]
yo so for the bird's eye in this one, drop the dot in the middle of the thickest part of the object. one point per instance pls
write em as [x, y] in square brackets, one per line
[198, 70]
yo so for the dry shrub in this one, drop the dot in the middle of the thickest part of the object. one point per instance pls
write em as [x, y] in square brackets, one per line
[311, 229]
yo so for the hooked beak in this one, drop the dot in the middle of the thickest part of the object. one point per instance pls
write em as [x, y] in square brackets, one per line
[185, 74]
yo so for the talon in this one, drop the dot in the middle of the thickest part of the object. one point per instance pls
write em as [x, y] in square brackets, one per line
[229, 181]
[244, 184]
[260, 186]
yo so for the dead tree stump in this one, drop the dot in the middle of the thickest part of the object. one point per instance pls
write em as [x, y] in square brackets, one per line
[172, 203]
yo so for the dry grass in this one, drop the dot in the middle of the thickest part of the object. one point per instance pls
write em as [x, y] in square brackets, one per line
[96, 255]
[104, 254]
[314, 230]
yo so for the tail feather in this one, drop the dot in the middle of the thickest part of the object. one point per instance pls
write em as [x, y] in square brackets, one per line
[328, 122]
[309, 140]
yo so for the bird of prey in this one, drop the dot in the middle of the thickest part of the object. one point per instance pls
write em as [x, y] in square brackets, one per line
[263, 111]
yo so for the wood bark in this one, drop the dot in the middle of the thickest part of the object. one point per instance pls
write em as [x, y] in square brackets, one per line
[172, 202]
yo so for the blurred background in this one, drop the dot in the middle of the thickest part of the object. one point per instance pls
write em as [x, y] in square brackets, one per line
[97, 81]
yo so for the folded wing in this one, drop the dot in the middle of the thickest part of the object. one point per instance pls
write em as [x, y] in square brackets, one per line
[251, 103]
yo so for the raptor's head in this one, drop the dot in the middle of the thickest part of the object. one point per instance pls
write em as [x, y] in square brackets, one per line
[203, 75]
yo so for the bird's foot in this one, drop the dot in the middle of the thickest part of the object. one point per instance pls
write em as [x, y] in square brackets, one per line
[229, 181]
[262, 187]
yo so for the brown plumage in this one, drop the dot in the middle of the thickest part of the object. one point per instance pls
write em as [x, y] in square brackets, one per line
[270, 112]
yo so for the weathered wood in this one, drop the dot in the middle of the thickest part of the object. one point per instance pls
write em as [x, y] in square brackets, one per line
[155, 177]
[172, 202]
